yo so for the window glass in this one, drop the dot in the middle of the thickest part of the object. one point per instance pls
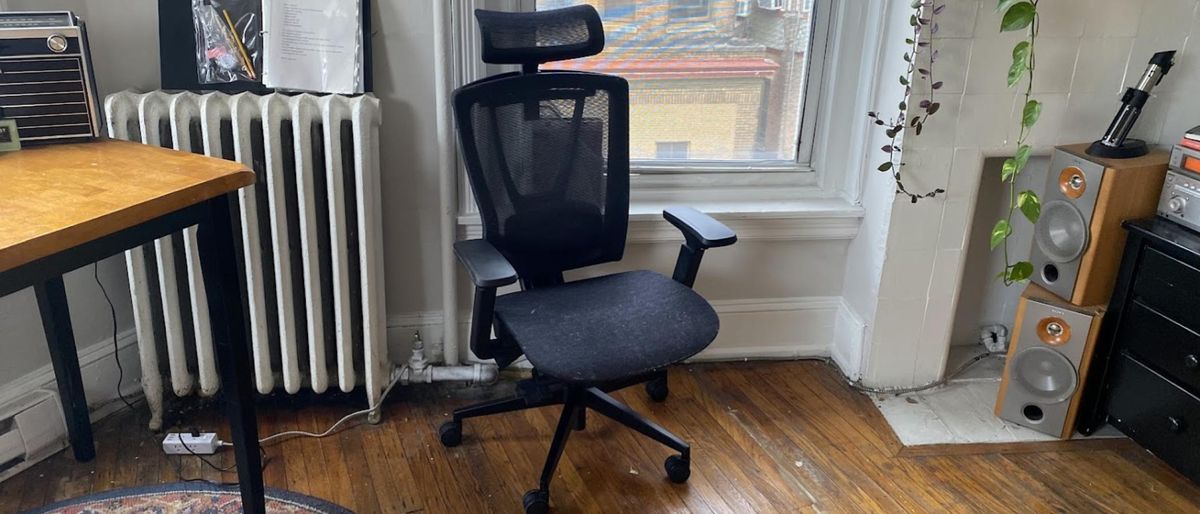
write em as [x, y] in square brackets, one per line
[726, 78]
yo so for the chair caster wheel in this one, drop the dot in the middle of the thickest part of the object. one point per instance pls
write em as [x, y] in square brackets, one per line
[450, 433]
[537, 501]
[657, 389]
[678, 469]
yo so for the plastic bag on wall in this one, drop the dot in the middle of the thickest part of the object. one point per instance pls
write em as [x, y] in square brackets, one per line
[228, 40]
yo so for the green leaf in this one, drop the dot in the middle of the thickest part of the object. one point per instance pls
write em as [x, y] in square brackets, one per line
[1030, 205]
[885, 166]
[1009, 170]
[1020, 52]
[1020, 62]
[1000, 232]
[1005, 4]
[1020, 271]
[1033, 111]
[1018, 16]
[1022, 156]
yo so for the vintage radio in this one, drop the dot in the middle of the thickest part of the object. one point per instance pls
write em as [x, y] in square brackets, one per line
[46, 81]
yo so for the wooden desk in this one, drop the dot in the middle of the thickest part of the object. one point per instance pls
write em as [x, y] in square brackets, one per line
[66, 206]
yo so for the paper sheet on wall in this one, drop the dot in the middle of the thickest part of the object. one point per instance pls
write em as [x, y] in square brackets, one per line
[313, 45]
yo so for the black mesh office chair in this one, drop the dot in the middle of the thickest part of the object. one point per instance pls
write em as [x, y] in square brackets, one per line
[547, 154]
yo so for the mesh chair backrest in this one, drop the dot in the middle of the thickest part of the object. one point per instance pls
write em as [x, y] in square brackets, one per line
[547, 155]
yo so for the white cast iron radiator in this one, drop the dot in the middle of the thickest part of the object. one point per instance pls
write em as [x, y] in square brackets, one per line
[311, 241]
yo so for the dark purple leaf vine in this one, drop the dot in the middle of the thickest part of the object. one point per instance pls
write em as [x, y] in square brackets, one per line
[920, 57]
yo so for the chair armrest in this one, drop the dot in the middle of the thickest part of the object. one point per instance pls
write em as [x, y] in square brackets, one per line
[487, 267]
[700, 230]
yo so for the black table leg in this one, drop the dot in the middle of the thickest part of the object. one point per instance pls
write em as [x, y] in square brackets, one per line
[227, 309]
[56, 321]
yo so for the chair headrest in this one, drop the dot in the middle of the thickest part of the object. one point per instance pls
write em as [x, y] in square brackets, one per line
[536, 37]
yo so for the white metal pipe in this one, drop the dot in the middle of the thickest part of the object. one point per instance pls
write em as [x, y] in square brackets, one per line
[447, 178]
[419, 371]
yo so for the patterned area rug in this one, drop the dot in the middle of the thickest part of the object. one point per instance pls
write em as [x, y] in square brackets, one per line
[186, 498]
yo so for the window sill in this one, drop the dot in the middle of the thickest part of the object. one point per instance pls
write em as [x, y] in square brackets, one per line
[793, 220]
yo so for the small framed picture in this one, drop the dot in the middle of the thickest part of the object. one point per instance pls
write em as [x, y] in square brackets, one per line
[9, 139]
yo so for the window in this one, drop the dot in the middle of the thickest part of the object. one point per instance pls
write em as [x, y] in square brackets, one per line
[686, 9]
[717, 85]
[672, 150]
[623, 10]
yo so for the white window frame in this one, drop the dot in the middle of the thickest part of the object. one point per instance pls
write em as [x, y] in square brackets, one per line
[846, 54]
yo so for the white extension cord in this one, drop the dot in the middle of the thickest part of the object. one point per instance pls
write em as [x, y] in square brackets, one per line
[206, 443]
[334, 427]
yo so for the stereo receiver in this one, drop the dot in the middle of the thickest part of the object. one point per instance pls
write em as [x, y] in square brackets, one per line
[46, 80]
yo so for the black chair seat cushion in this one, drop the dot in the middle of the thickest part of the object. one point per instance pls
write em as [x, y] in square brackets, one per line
[607, 328]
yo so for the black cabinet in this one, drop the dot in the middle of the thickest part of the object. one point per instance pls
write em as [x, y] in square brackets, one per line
[1148, 353]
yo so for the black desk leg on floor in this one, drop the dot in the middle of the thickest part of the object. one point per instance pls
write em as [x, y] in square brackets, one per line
[56, 321]
[227, 309]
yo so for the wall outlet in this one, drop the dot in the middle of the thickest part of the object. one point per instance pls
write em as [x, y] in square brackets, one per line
[205, 443]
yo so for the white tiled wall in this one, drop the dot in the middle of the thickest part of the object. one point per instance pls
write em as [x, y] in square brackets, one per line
[1088, 51]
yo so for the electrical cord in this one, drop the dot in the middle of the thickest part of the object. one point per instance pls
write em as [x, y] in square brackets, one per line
[112, 309]
[332, 428]
[961, 369]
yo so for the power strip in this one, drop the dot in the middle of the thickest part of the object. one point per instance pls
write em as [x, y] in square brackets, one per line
[204, 443]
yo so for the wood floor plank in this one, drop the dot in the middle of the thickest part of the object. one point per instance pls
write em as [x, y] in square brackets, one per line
[766, 437]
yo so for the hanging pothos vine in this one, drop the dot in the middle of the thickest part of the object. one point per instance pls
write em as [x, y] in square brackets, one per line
[920, 50]
[1019, 15]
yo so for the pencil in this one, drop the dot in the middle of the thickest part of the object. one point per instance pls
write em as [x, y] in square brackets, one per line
[241, 48]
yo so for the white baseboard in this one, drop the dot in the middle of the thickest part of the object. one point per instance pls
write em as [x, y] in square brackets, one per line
[849, 334]
[99, 373]
[759, 328]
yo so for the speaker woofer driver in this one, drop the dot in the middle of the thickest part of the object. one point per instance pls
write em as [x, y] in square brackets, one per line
[1061, 233]
[1044, 374]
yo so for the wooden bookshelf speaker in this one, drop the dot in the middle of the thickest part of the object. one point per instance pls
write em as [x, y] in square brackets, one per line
[1078, 239]
[1047, 362]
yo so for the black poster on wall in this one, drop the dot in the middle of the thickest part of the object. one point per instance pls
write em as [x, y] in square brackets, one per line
[177, 51]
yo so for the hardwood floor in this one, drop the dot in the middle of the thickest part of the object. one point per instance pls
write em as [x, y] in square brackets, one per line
[766, 437]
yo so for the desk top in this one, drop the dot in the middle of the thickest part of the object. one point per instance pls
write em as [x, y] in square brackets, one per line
[53, 198]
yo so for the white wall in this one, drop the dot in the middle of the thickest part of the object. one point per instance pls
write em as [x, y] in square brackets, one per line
[125, 52]
[1088, 49]
[990, 301]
